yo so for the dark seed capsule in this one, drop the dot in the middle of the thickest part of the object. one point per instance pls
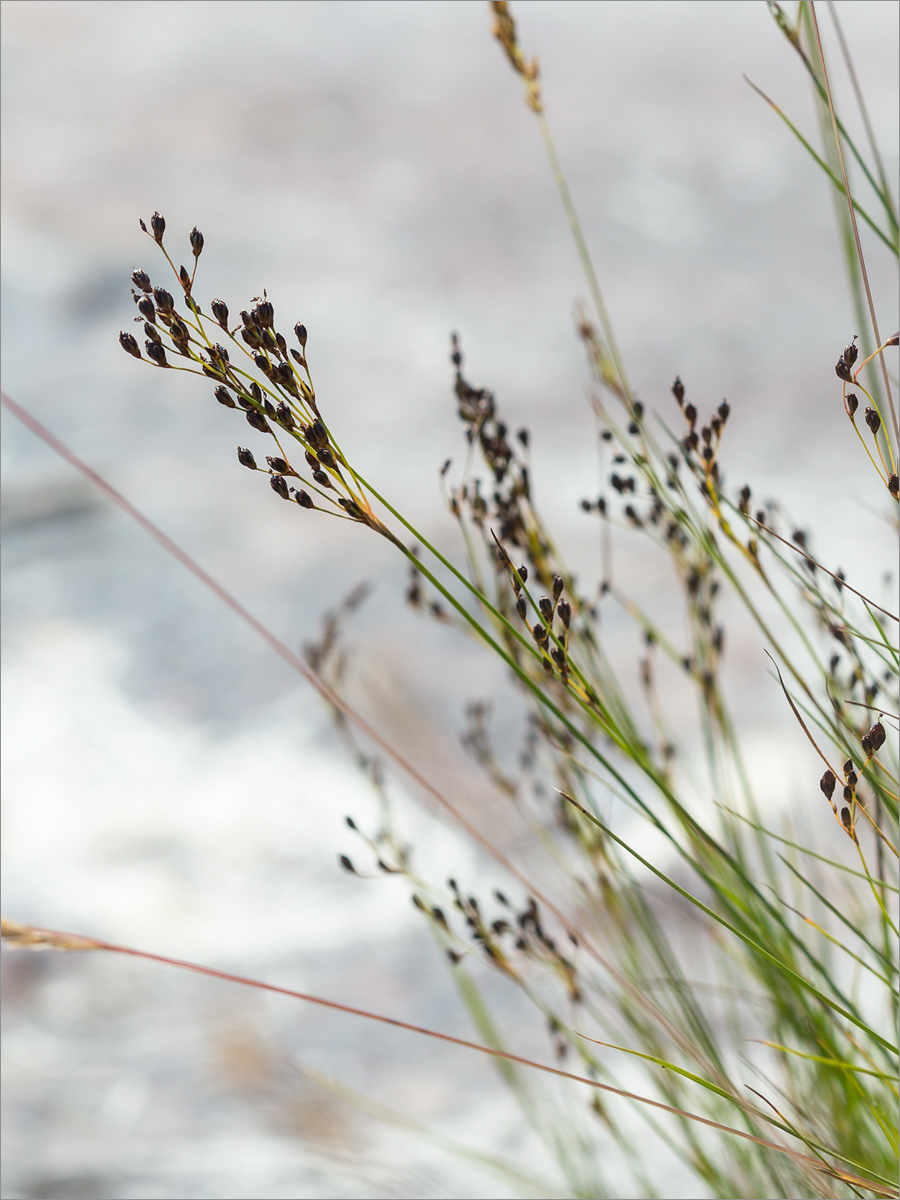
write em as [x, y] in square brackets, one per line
[128, 342]
[297, 357]
[586, 505]
[842, 370]
[220, 312]
[545, 604]
[156, 352]
[184, 276]
[326, 457]
[196, 241]
[251, 336]
[152, 332]
[521, 607]
[558, 657]
[321, 479]
[347, 864]
[873, 420]
[284, 375]
[257, 420]
[852, 402]
[278, 484]
[724, 410]
[164, 300]
[852, 781]
[557, 586]
[265, 314]
[141, 280]
[523, 574]
[311, 459]
[539, 633]
[827, 782]
[256, 392]
[158, 226]
[350, 507]
[278, 464]
[845, 818]
[178, 331]
[638, 410]
[263, 363]
[866, 742]
[894, 486]
[301, 334]
[318, 434]
[877, 735]
[284, 414]
[848, 766]
[678, 390]
[690, 413]
[245, 458]
[848, 794]
[224, 396]
[565, 612]
[270, 408]
[851, 353]
[146, 309]
[304, 499]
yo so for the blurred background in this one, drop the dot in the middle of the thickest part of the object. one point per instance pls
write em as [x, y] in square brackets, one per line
[168, 782]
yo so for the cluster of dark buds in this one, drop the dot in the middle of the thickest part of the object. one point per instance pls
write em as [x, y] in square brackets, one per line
[705, 445]
[886, 467]
[843, 368]
[254, 370]
[553, 647]
[870, 742]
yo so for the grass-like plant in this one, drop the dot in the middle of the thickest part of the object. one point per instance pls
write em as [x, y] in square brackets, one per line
[768, 1045]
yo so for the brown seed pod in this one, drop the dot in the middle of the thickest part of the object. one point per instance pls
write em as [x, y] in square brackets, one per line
[284, 414]
[156, 353]
[146, 308]
[827, 783]
[129, 343]
[164, 300]
[245, 458]
[224, 396]
[278, 484]
[877, 736]
[257, 420]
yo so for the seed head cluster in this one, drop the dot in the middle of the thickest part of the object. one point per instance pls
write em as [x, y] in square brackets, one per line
[254, 370]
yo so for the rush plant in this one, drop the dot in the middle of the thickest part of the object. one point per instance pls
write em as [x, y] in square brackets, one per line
[765, 1035]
